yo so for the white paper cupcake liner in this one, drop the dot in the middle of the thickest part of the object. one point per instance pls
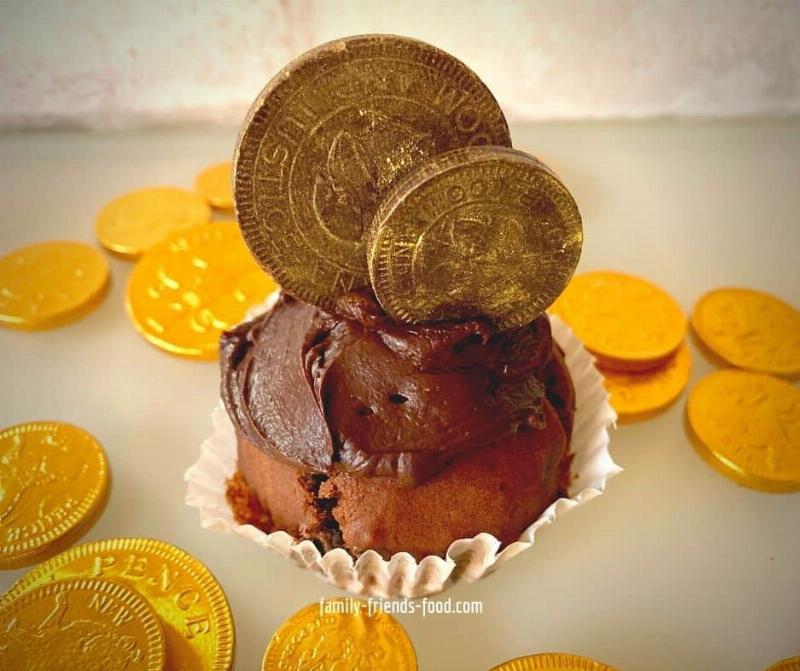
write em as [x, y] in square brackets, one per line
[467, 559]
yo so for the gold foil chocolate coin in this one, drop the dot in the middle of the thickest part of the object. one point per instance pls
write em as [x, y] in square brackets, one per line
[627, 322]
[193, 609]
[189, 288]
[50, 283]
[789, 664]
[80, 625]
[747, 425]
[750, 329]
[53, 485]
[340, 634]
[214, 184]
[552, 661]
[132, 223]
[636, 395]
[327, 138]
[477, 232]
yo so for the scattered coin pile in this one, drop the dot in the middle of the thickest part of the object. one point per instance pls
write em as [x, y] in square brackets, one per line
[190, 283]
[118, 604]
[745, 423]
[637, 333]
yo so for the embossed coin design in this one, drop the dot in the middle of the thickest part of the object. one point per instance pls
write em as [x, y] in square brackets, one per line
[327, 138]
[552, 661]
[81, 625]
[132, 223]
[214, 184]
[475, 232]
[635, 395]
[189, 288]
[193, 609]
[340, 635]
[750, 329]
[50, 283]
[53, 485]
[628, 323]
[747, 425]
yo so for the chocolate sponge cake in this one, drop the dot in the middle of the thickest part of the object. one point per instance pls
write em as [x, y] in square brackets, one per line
[359, 432]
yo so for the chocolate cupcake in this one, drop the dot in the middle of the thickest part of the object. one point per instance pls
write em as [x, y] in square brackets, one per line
[356, 431]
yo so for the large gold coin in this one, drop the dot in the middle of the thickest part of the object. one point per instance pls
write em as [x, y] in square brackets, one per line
[192, 606]
[750, 329]
[189, 288]
[789, 664]
[53, 485]
[327, 138]
[636, 395]
[80, 625]
[214, 184]
[340, 634]
[477, 232]
[132, 223]
[552, 661]
[747, 425]
[50, 283]
[627, 322]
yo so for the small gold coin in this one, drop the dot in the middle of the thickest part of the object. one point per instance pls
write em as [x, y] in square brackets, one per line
[81, 625]
[340, 634]
[193, 609]
[639, 394]
[747, 425]
[750, 329]
[552, 661]
[629, 323]
[189, 288]
[50, 283]
[477, 232]
[132, 223]
[53, 485]
[214, 184]
[789, 664]
[330, 134]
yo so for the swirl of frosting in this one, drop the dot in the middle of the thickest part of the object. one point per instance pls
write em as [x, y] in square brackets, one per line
[355, 391]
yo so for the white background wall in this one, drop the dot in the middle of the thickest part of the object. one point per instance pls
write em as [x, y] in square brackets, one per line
[116, 63]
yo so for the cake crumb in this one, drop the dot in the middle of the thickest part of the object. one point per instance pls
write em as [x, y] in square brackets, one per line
[246, 507]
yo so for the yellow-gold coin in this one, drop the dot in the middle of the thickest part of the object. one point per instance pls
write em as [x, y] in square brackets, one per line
[214, 183]
[750, 329]
[747, 425]
[132, 223]
[340, 633]
[552, 661]
[50, 283]
[91, 625]
[194, 612]
[788, 664]
[635, 395]
[627, 322]
[198, 282]
[53, 485]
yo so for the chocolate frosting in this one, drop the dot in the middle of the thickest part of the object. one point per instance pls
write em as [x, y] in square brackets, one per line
[356, 391]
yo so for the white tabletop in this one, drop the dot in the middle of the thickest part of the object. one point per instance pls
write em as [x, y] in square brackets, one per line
[674, 567]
